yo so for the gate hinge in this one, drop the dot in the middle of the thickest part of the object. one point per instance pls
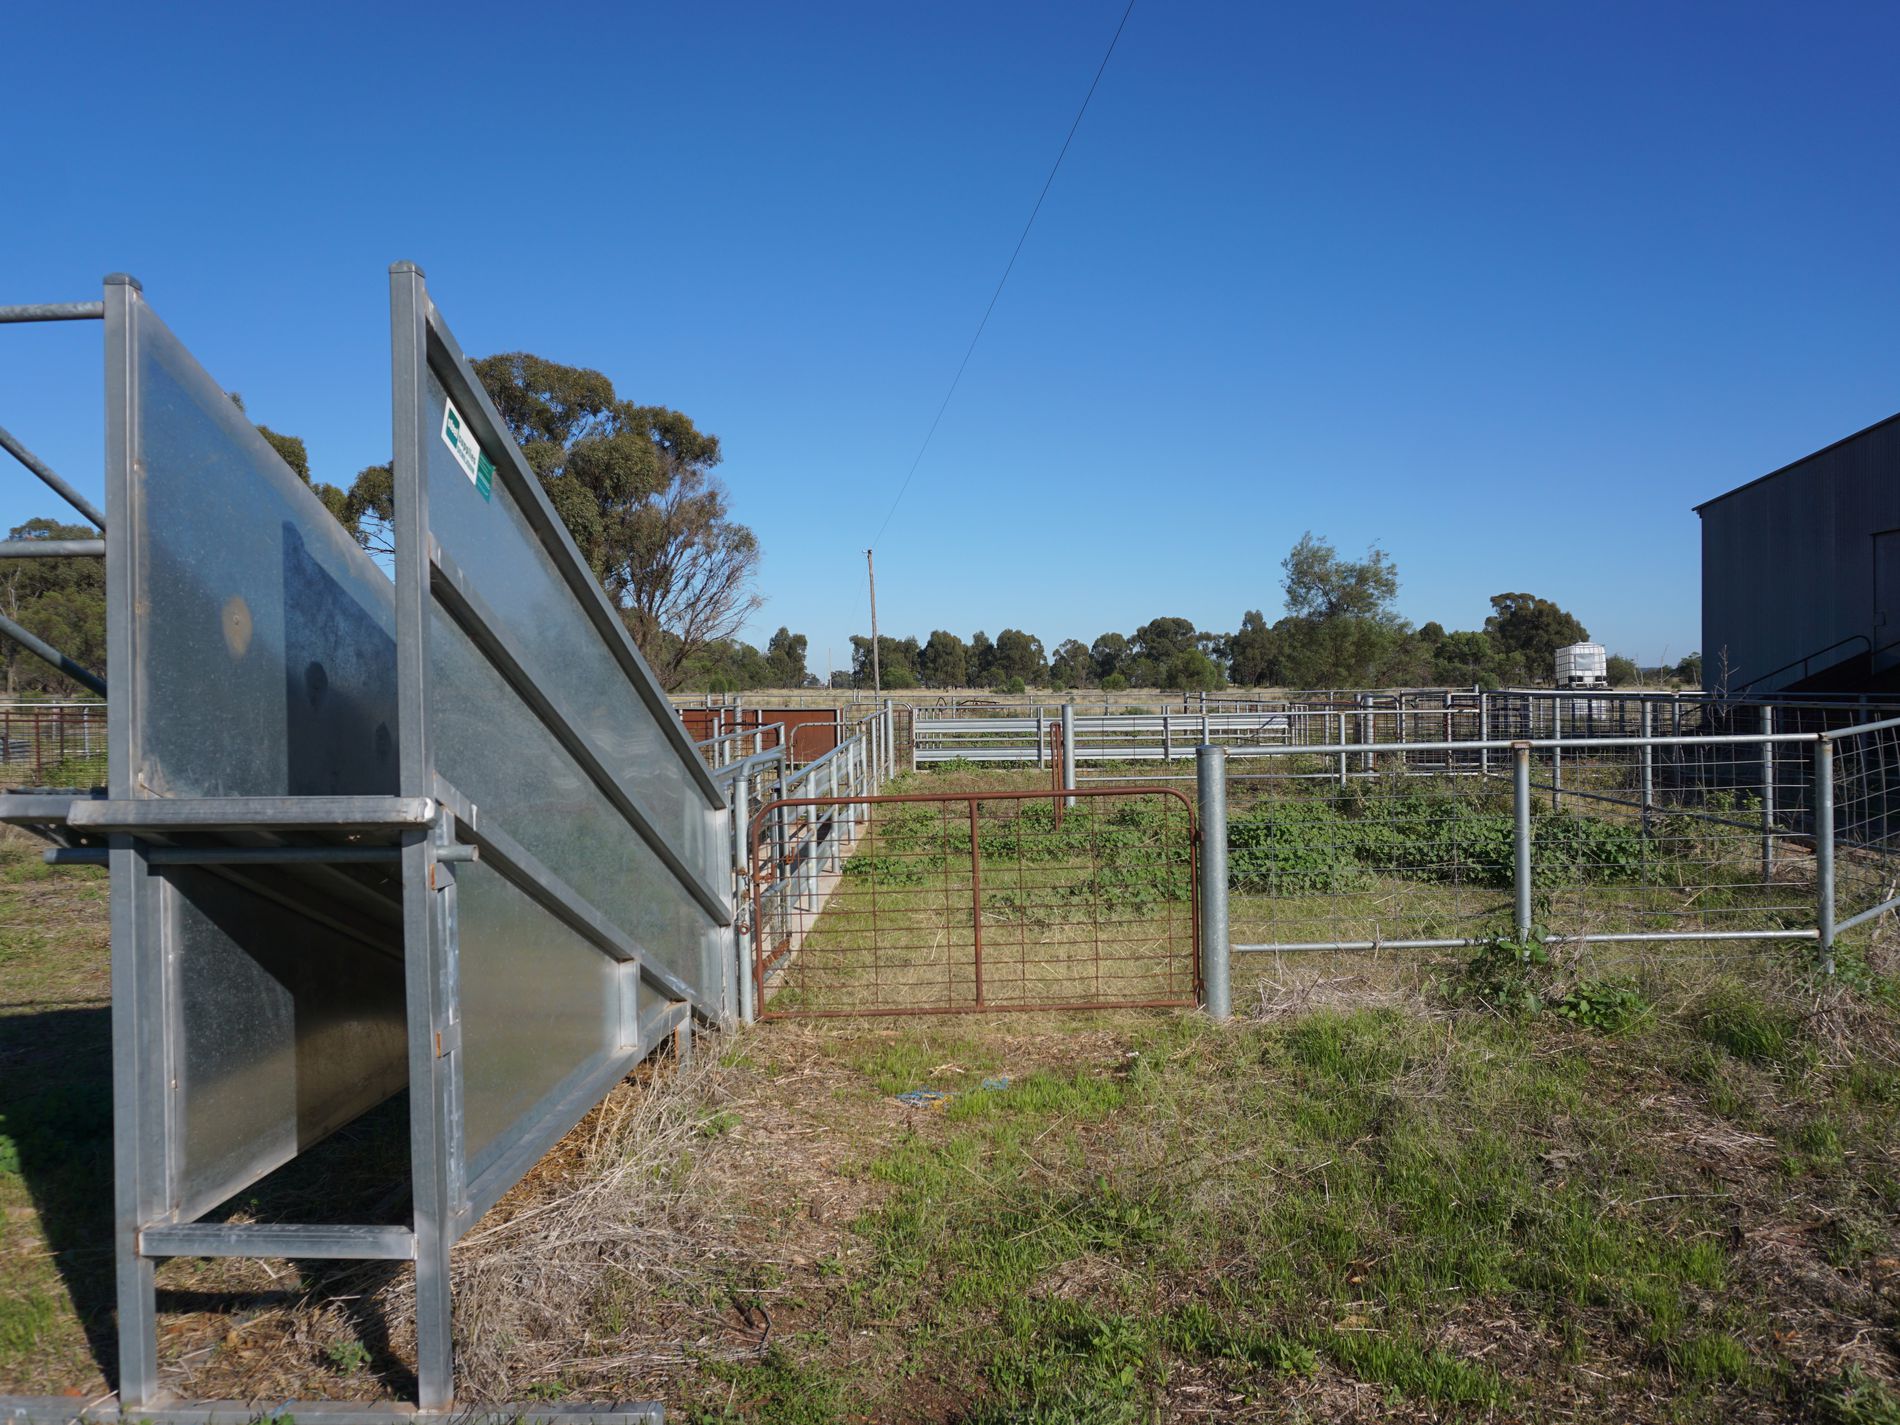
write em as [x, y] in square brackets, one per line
[448, 1038]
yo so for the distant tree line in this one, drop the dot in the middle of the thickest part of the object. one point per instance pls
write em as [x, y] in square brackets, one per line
[1340, 630]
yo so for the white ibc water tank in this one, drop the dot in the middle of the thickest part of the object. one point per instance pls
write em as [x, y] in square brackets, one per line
[1583, 665]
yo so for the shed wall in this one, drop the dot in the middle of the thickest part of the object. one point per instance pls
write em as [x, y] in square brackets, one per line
[1788, 568]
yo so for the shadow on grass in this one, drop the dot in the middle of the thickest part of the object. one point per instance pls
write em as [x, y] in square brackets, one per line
[56, 1132]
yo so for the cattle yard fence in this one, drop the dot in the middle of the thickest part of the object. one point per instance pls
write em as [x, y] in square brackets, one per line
[1664, 843]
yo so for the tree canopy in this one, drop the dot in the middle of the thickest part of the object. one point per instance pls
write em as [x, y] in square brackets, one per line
[635, 487]
[61, 600]
[1529, 631]
[1341, 629]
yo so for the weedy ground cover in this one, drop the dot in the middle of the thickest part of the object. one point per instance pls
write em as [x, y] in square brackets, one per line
[1492, 1184]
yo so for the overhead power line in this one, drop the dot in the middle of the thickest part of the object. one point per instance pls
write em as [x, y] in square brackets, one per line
[1008, 268]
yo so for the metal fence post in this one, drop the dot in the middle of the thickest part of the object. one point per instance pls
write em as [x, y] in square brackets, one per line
[1767, 795]
[831, 859]
[742, 927]
[1042, 740]
[853, 786]
[1824, 849]
[1068, 754]
[1167, 739]
[1340, 743]
[1484, 733]
[1210, 776]
[1367, 733]
[1649, 766]
[1557, 778]
[1521, 815]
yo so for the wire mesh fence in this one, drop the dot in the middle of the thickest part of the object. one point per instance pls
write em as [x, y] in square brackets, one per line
[1866, 841]
[1670, 843]
[52, 744]
[951, 902]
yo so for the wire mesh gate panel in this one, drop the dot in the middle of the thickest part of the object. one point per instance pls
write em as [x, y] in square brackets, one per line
[954, 902]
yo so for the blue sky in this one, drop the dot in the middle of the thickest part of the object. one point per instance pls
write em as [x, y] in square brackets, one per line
[1505, 289]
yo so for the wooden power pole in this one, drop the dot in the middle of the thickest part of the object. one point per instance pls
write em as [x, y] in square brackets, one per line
[877, 674]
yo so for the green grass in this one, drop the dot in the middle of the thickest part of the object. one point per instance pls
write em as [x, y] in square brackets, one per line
[55, 1119]
[1326, 1197]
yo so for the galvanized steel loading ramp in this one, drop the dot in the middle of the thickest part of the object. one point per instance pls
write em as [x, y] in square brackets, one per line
[442, 834]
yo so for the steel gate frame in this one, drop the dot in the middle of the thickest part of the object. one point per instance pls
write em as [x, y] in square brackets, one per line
[1062, 798]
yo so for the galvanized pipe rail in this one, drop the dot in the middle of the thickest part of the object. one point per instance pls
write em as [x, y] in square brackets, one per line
[1824, 835]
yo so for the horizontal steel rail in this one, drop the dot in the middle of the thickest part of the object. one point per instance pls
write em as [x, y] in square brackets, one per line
[53, 312]
[1472, 942]
[52, 549]
[231, 1239]
[157, 814]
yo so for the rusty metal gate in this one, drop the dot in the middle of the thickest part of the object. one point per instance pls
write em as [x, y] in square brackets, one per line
[968, 902]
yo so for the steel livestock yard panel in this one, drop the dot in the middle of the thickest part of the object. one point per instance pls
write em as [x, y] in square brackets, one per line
[444, 834]
[252, 647]
[600, 908]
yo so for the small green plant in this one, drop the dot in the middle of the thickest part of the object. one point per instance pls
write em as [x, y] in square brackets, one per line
[1856, 1398]
[1507, 974]
[892, 870]
[719, 1123]
[348, 1356]
[1609, 1005]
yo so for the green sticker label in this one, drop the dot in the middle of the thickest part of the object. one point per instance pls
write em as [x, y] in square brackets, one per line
[467, 450]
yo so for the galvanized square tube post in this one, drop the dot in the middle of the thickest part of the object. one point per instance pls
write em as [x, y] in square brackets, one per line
[1210, 775]
[1824, 849]
[1521, 817]
[743, 928]
[1767, 795]
[428, 979]
[141, 1021]
[831, 790]
[1649, 767]
[1068, 754]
